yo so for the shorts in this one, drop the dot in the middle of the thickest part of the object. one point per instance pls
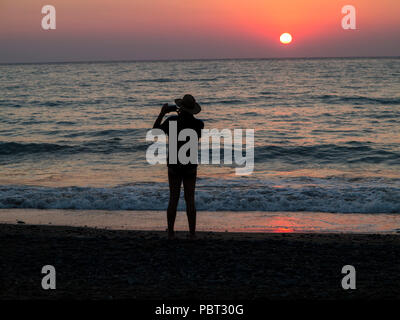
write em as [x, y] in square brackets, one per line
[183, 172]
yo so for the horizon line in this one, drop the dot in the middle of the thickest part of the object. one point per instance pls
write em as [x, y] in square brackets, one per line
[198, 59]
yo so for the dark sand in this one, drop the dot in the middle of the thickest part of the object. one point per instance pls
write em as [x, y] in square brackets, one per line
[110, 264]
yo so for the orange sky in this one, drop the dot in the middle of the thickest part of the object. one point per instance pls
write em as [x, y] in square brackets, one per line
[175, 29]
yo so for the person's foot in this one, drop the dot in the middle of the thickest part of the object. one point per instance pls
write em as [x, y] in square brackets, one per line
[192, 236]
[171, 235]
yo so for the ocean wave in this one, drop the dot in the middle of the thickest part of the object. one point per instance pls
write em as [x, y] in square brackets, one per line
[107, 133]
[358, 100]
[157, 80]
[112, 145]
[211, 196]
[11, 148]
[327, 153]
[115, 143]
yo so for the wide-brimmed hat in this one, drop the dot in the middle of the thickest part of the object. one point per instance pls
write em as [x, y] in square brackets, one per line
[188, 104]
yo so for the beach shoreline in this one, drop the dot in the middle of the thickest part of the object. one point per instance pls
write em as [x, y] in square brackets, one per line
[126, 264]
[214, 221]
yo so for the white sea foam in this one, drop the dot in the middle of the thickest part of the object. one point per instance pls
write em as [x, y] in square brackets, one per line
[319, 195]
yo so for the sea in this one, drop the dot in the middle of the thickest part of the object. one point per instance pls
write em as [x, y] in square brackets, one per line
[326, 134]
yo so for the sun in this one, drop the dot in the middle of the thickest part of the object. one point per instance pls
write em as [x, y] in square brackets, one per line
[286, 38]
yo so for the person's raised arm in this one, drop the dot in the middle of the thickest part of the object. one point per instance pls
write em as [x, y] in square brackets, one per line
[163, 112]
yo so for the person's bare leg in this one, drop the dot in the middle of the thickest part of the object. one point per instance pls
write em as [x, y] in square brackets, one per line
[189, 184]
[175, 182]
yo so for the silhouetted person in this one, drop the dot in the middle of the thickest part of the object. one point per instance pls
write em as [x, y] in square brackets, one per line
[178, 173]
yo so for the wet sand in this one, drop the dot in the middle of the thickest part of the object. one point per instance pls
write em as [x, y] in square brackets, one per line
[124, 264]
[216, 221]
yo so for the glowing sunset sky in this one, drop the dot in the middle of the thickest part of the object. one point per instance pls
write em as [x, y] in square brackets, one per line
[192, 29]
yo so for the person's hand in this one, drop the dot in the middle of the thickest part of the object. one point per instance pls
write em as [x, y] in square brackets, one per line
[164, 109]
